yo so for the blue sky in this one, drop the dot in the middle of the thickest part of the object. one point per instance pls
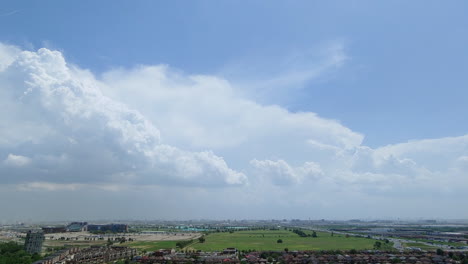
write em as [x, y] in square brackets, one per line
[387, 71]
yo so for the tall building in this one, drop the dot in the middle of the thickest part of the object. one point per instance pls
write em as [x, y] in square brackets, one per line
[33, 243]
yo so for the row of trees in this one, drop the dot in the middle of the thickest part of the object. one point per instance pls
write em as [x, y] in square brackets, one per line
[303, 234]
[184, 243]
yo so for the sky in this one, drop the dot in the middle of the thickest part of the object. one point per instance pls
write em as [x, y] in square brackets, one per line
[233, 110]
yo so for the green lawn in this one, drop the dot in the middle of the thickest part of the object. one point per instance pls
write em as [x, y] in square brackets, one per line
[267, 240]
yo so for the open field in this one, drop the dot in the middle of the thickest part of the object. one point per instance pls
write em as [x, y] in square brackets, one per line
[267, 240]
[242, 240]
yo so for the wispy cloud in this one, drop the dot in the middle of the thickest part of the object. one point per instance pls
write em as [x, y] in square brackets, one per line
[303, 68]
[51, 186]
[284, 74]
[9, 13]
[48, 186]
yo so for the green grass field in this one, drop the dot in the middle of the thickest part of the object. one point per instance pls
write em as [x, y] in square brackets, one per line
[267, 240]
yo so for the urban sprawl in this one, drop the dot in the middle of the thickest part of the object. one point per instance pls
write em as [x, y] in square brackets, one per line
[239, 241]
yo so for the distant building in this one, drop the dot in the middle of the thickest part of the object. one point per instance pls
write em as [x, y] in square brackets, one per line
[54, 229]
[77, 226]
[115, 228]
[33, 243]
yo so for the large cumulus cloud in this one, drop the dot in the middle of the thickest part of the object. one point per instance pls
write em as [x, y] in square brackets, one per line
[59, 127]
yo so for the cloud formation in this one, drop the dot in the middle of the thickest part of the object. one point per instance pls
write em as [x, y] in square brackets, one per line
[281, 173]
[65, 129]
[16, 160]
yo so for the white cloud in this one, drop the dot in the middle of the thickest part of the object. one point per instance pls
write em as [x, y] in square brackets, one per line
[435, 154]
[207, 112]
[7, 55]
[16, 160]
[60, 111]
[52, 186]
[281, 173]
[216, 116]
[47, 186]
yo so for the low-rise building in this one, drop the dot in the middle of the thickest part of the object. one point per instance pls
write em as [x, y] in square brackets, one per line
[116, 228]
[54, 229]
[77, 226]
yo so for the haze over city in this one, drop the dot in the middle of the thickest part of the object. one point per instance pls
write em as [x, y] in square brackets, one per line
[233, 110]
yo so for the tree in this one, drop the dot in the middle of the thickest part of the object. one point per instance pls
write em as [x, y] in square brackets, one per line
[286, 250]
[377, 245]
[279, 241]
[300, 233]
[183, 243]
[314, 234]
[201, 239]
[439, 252]
[13, 253]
